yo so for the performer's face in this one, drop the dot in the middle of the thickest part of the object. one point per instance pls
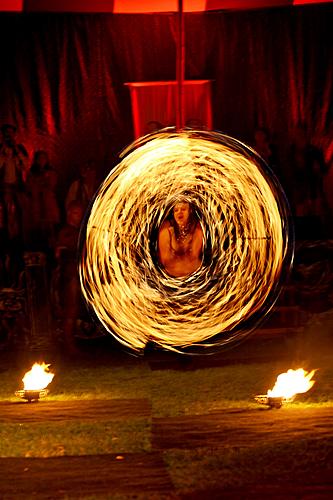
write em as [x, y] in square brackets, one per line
[181, 213]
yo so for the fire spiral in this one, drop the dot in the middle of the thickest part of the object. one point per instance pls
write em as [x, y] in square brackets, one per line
[247, 245]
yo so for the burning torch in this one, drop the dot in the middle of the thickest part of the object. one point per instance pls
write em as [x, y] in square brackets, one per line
[286, 387]
[35, 382]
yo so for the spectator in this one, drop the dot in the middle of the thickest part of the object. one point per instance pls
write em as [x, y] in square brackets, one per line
[67, 281]
[308, 169]
[153, 126]
[13, 160]
[195, 124]
[264, 146]
[45, 213]
[83, 188]
[13, 169]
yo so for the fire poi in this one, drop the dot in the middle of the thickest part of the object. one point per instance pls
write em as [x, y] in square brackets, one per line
[247, 244]
[286, 387]
[35, 382]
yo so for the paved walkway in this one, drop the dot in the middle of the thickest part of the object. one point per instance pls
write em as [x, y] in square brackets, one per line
[83, 410]
[63, 477]
[146, 473]
[242, 428]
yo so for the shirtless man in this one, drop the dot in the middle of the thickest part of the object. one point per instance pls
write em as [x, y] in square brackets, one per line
[180, 241]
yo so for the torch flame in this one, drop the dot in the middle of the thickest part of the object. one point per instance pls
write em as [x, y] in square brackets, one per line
[37, 378]
[292, 382]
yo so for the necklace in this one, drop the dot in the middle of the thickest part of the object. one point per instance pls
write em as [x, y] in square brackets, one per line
[184, 231]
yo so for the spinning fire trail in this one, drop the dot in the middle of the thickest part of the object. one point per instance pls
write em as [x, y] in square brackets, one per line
[247, 248]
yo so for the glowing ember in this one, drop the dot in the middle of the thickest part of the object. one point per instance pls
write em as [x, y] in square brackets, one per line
[291, 383]
[37, 378]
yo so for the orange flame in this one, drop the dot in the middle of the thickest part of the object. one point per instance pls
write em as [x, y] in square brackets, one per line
[292, 382]
[37, 378]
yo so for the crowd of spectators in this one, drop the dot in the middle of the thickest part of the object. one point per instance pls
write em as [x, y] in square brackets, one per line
[302, 169]
[33, 217]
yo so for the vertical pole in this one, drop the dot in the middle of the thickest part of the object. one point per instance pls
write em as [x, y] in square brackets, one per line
[180, 66]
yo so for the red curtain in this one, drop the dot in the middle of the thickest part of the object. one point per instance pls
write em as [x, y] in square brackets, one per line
[63, 76]
[156, 103]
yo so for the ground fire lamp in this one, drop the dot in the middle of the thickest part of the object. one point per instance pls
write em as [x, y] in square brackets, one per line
[35, 383]
[247, 238]
[286, 387]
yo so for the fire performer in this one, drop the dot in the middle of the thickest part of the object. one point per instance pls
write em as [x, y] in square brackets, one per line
[180, 241]
[222, 238]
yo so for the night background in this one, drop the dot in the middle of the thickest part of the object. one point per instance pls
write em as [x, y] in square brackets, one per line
[79, 81]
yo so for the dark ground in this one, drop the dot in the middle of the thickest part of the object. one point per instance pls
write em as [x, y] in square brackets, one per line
[287, 335]
[145, 475]
[130, 473]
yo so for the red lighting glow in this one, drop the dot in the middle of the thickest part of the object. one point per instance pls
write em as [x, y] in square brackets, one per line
[144, 6]
[11, 5]
[302, 2]
[69, 6]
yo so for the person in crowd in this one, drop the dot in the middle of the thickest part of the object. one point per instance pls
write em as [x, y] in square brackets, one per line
[41, 187]
[3, 247]
[180, 241]
[153, 126]
[13, 160]
[325, 143]
[66, 280]
[308, 167]
[13, 170]
[84, 187]
[265, 147]
[195, 124]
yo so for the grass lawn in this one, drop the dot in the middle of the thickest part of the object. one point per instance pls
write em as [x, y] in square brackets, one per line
[174, 393]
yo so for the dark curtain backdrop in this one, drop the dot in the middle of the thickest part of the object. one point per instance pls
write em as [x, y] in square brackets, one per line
[62, 75]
